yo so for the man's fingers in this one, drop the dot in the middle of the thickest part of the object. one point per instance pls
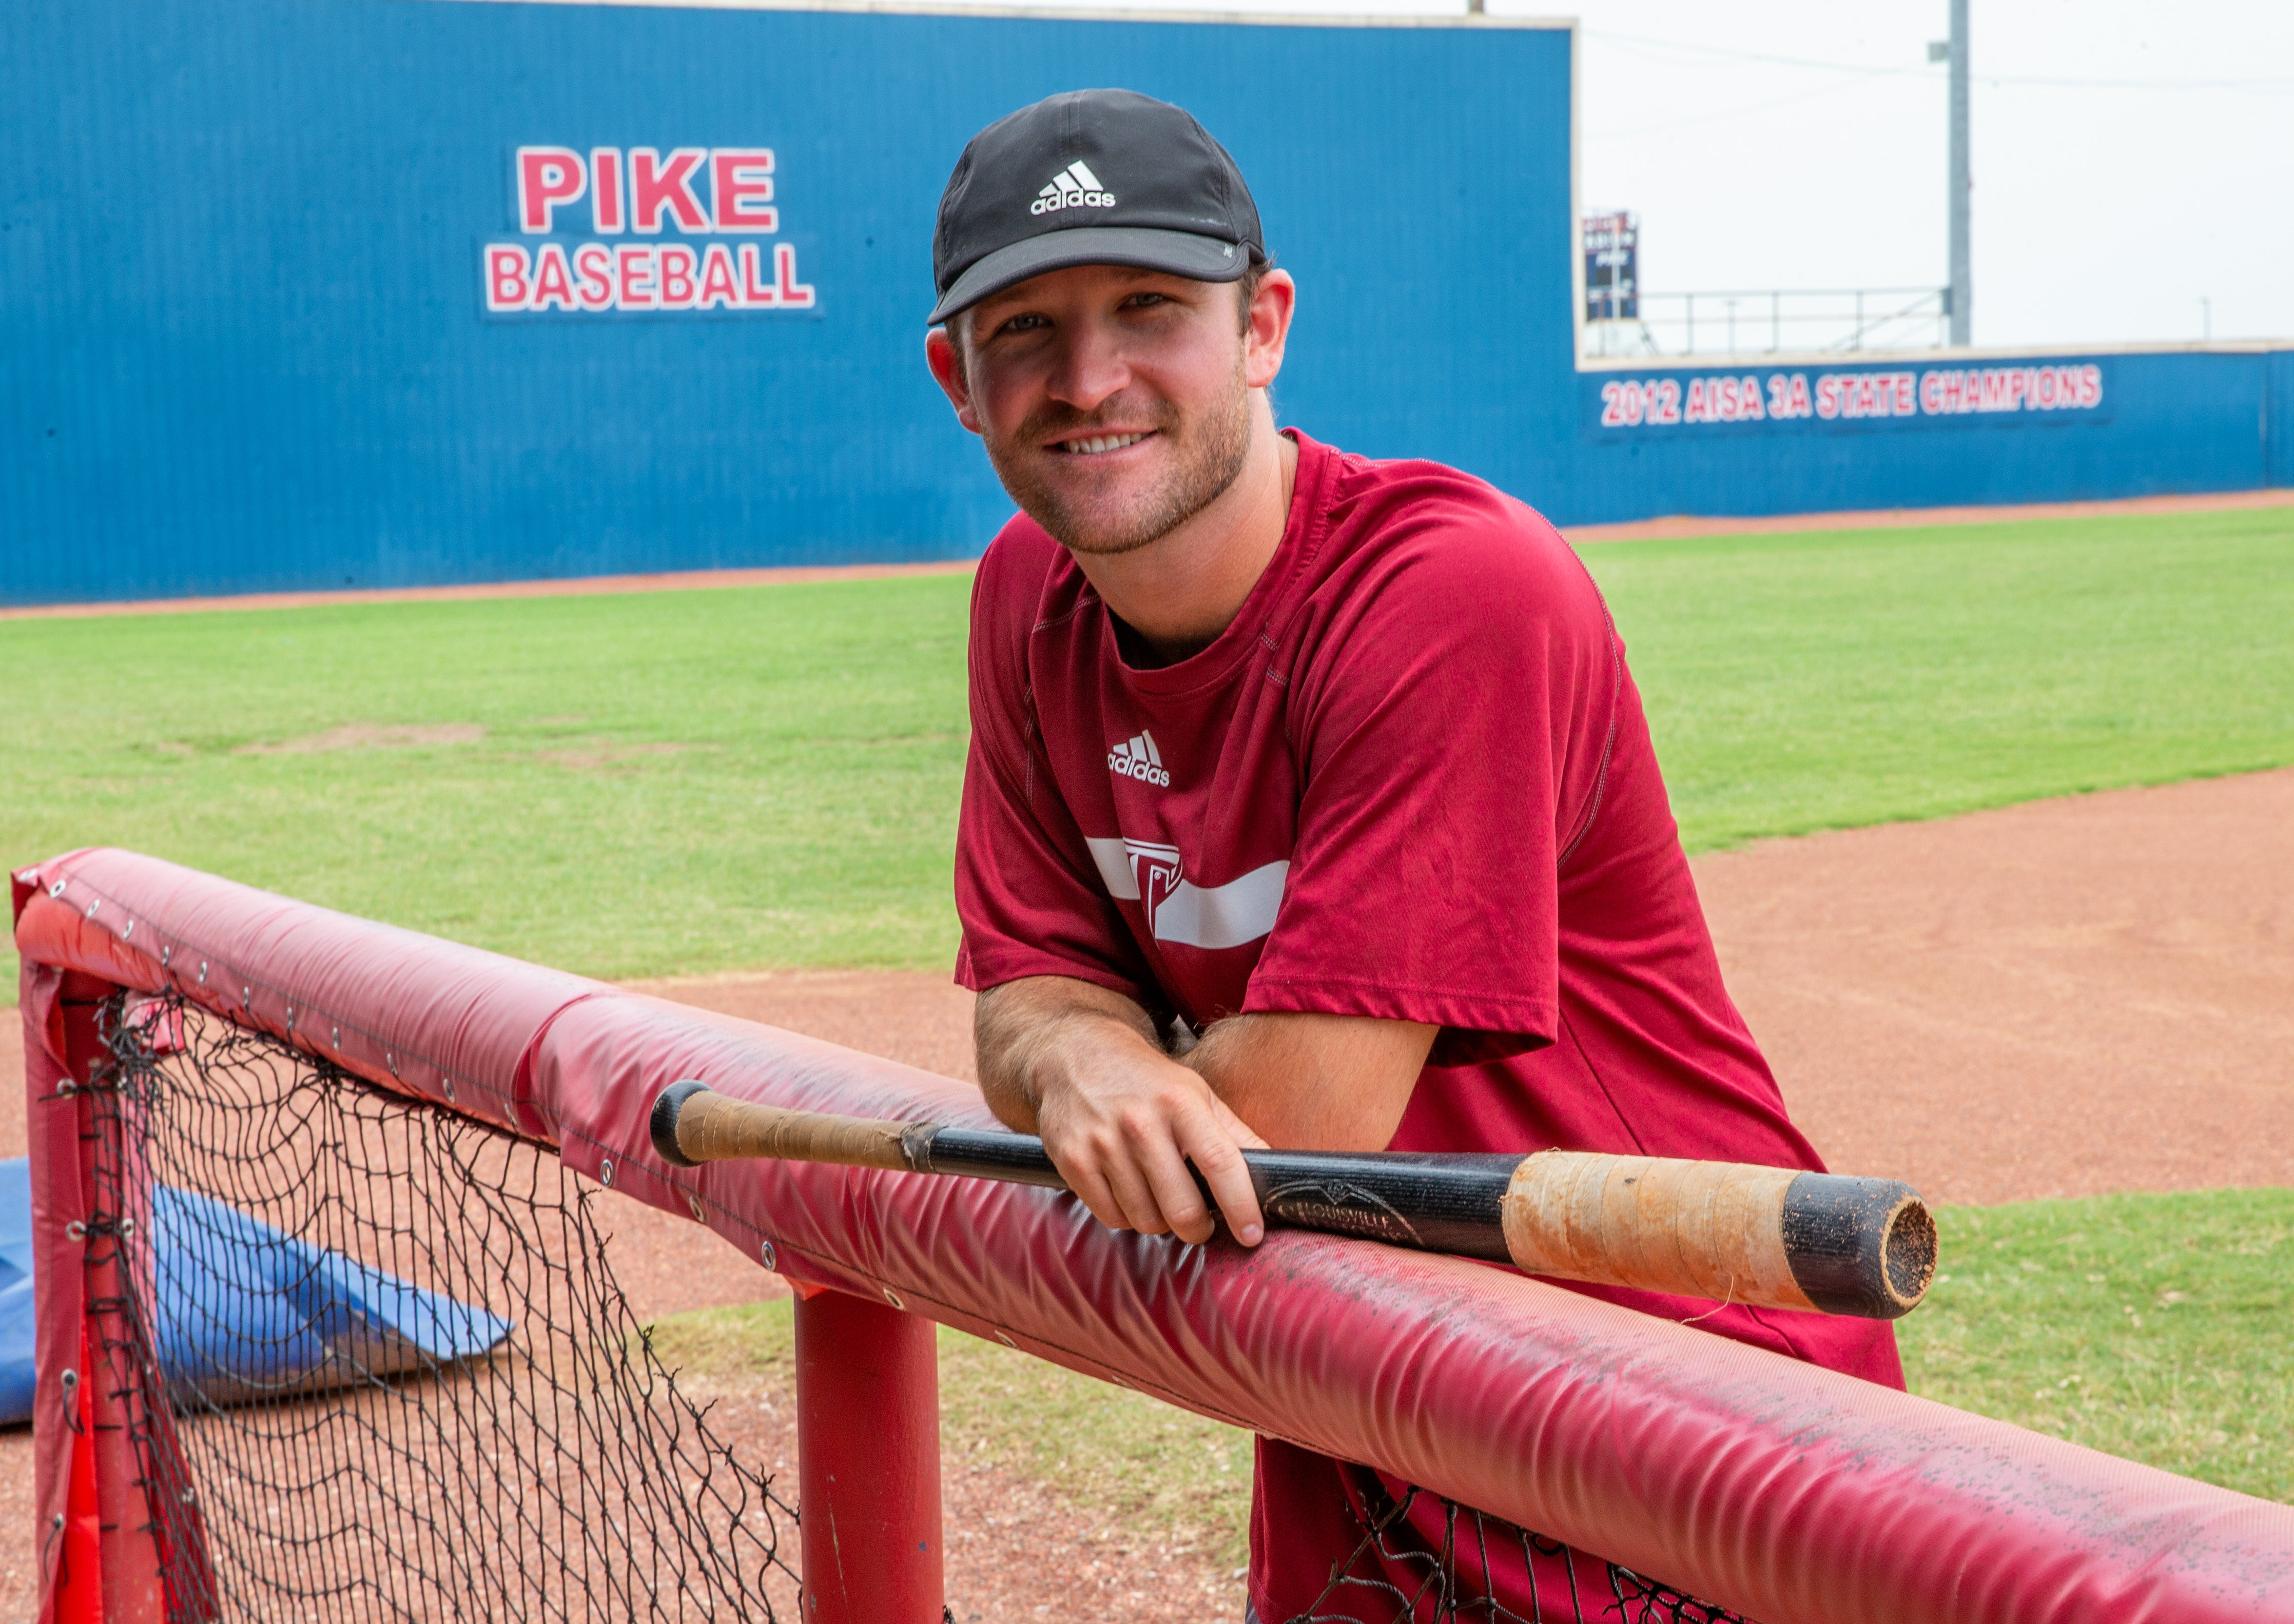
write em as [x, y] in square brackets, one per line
[1219, 1159]
[1135, 1187]
[1176, 1192]
[1127, 1158]
[1092, 1190]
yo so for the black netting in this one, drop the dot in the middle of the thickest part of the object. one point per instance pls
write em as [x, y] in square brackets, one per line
[376, 1365]
[1425, 1560]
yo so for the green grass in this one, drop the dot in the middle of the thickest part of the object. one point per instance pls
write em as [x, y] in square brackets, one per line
[1804, 682]
[1166, 1473]
[695, 781]
[687, 782]
[2151, 1327]
[666, 782]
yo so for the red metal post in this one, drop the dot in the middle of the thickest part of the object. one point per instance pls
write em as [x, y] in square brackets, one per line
[107, 1512]
[868, 1440]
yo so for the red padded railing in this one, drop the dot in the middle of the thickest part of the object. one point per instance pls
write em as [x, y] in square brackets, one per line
[1792, 1494]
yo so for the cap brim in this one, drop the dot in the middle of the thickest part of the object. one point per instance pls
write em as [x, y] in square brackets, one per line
[1201, 259]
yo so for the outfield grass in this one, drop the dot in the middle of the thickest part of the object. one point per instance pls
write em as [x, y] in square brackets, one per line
[2151, 1327]
[1822, 681]
[648, 783]
[767, 777]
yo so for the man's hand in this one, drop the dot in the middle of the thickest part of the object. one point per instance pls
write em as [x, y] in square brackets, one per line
[1081, 1067]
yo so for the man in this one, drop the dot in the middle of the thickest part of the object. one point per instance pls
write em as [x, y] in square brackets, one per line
[1310, 802]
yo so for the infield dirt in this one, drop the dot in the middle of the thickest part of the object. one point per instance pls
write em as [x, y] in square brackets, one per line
[2065, 997]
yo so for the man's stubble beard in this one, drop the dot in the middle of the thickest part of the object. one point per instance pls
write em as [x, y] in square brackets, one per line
[1211, 455]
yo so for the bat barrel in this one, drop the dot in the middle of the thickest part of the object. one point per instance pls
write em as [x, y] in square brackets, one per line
[1768, 1237]
[1436, 1203]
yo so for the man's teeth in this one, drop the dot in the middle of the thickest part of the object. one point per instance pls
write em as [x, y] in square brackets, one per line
[1104, 442]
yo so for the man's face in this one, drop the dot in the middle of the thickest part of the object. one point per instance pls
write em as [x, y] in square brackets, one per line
[1114, 403]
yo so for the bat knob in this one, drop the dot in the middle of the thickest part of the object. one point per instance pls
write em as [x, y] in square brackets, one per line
[662, 1124]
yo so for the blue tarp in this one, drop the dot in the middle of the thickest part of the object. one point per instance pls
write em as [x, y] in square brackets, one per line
[244, 1310]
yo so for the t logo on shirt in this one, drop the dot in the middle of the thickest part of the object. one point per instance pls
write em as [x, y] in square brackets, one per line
[1154, 871]
[1136, 757]
[1152, 874]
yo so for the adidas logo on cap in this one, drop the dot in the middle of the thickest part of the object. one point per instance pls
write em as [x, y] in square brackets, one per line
[1137, 757]
[1073, 187]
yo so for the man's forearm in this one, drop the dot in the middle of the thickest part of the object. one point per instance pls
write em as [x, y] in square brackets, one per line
[1315, 1081]
[1024, 1030]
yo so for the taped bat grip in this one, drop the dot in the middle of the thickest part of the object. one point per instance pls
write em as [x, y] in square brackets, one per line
[691, 1125]
[1767, 1236]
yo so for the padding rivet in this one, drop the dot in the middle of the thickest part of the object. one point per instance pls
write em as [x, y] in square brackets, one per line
[57, 889]
[606, 1171]
[391, 1061]
[126, 1226]
[167, 955]
[203, 973]
[247, 996]
[1005, 1337]
[58, 1519]
[93, 906]
[124, 935]
[338, 1037]
[70, 1380]
[450, 1087]
[290, 1018]
[700, 1214]
[767, 1256]
[75, 1230]
[893, 1297]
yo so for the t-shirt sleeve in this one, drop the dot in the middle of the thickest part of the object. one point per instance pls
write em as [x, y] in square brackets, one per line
[1451, 728]
[1027, 893]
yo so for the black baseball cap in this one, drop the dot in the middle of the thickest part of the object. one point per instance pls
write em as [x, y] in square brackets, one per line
[1091, 177]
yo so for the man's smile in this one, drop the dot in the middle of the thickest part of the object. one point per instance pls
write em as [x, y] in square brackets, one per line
[1096, 445]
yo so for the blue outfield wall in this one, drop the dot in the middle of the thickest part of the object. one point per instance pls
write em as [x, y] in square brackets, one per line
[1928, 429]
[251, 252]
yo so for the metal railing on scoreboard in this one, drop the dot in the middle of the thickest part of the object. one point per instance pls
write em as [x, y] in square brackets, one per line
[1775, 321]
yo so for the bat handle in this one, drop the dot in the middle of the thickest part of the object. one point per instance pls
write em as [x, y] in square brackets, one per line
[691, 1125]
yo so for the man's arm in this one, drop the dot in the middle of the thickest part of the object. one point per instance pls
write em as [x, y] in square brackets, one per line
[1081, 1066]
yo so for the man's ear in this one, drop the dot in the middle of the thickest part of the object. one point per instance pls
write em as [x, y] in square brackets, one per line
[947, 370]
[1269, 328]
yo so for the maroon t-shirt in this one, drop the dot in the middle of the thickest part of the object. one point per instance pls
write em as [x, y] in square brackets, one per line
[1411, 780]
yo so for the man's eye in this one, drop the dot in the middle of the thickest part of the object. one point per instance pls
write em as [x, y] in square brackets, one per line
[1023, 324]
[1141, 301]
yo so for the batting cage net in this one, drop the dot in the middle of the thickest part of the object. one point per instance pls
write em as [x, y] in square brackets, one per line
[374, 1362]
[1483, 1569]
[375, 1366]
[327, 1329]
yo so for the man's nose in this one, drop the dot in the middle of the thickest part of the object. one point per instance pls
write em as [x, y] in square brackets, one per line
[1090, 368]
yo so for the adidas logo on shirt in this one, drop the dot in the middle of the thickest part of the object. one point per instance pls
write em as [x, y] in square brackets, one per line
[1137, 757]
[1073, 187]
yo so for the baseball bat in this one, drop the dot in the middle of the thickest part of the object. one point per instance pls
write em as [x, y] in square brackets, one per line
[1725, 1231]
